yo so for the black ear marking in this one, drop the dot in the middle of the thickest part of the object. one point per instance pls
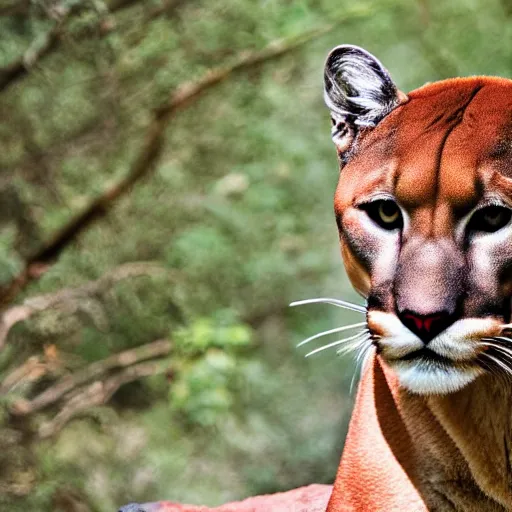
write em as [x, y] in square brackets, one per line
[358, 91]
[342, 132]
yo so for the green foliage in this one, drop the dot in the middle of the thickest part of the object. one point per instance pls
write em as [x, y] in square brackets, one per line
[220, 332]
[201, 391]
[207, 368]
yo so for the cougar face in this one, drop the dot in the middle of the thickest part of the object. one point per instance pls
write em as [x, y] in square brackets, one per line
[424, 209]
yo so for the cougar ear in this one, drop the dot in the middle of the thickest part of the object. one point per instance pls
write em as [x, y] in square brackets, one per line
[358, 91]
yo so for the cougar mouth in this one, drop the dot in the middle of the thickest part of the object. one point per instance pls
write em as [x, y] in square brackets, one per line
[427, 355]
[448, 362]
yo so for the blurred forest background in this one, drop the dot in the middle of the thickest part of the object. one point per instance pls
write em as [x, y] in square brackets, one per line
[165, 191]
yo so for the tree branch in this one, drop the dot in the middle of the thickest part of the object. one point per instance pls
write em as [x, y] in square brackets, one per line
[34, 54]
[20, 67]
[67, 384]
[25, 375]
[98, 393]
[66, 297]
[151, 150]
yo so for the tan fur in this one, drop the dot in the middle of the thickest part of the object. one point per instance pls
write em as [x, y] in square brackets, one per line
[406, 452]
[437, 154]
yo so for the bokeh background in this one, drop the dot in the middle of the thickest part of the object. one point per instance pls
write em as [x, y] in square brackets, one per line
[165, 191]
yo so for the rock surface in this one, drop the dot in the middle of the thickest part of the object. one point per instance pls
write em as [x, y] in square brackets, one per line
[312, 498]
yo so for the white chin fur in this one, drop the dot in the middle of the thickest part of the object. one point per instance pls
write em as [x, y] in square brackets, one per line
[432, 378]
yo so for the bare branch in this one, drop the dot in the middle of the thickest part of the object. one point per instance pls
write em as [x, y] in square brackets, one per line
[97, 370]
[21, 66]
[30, 371]
[151, 150]
[98, 393]
[35, 53]
[22, 7]
[68, 297]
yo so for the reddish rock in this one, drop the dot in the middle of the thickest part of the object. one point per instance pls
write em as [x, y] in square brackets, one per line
[312, 498]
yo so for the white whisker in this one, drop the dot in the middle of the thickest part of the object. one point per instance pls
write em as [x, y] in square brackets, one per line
[352, 346]
[503, 338]
[495, 343]
[361, 362]
[331, 331]
[363, 353]
[501, 348]
[503, 366]
[503, 353]
[334, 302]
[367, 356]
[339, 342]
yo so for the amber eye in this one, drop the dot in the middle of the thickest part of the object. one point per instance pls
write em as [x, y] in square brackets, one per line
[385, 213]
[489, 219]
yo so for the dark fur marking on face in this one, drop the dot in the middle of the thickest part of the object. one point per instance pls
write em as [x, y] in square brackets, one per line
[456, 118]
[380, 298]
[363, 256]
[435, 121]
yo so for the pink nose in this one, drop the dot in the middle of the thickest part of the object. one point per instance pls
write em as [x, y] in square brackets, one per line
[426, 327]
[423, 323]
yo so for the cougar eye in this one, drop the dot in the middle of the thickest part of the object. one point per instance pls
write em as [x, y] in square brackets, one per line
[490, 219]
[385, 213]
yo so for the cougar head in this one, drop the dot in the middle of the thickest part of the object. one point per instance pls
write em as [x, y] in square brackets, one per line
[424, 209]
